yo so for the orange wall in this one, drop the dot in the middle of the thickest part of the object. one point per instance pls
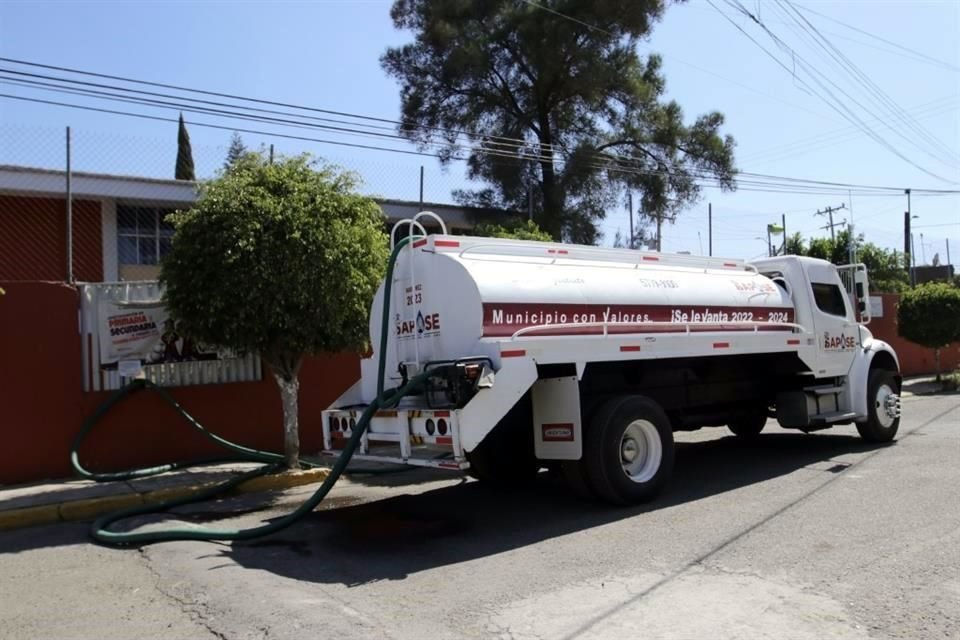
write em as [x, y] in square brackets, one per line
[33, 239]
[42, 404]
[914, 359]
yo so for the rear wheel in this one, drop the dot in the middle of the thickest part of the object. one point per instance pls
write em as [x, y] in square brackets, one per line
[749, 425]
[883, 407]
[628, 450]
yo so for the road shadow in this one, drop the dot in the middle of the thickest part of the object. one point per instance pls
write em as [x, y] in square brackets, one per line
[392, 538]
[927, 387]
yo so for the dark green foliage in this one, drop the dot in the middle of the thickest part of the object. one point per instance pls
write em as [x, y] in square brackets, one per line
[525, 230]
[886, 269]
[280, 259]
[236, 151]
[930, 314]
[589, 110]
[184, 169]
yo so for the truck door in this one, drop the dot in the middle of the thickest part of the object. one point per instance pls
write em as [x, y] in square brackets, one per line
[833, 320]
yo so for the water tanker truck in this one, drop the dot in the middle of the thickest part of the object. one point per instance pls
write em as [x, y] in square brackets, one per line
[586, 359]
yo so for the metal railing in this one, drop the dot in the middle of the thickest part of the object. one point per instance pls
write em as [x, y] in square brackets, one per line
[687, 327]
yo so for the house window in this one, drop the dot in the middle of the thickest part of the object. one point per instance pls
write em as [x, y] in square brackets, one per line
[143, 236]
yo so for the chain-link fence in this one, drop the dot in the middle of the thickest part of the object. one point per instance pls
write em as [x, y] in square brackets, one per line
[106, 223]
[82, 206]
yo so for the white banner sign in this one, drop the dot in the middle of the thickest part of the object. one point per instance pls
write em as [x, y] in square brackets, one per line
[131, 332]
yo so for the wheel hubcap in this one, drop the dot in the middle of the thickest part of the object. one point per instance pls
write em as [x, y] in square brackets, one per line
[887, 406]
[640, 451]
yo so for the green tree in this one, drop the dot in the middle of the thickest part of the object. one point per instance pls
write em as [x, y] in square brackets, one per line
[517, 230]
[279, 259]
[588, 111]
[886, 268]
[184, 169]
[235, 151]
[930, 316]
[796, 246]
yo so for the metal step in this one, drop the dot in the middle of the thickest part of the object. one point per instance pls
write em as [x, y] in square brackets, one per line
[831, 417]
[823, 391]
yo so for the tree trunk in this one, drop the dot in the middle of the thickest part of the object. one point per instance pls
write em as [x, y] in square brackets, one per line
[936, 357]
[285, 373]
[550, 218]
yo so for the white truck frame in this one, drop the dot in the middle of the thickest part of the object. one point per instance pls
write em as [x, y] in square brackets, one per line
[603, 407]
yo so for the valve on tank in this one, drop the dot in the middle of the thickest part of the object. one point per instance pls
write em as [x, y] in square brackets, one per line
[452, 383]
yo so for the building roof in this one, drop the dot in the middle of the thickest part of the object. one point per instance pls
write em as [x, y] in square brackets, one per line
[52, 182]
[31, 181]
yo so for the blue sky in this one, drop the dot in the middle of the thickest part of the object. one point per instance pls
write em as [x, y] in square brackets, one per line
[325, 54]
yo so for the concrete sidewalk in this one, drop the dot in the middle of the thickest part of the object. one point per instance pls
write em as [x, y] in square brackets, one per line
[68, 500]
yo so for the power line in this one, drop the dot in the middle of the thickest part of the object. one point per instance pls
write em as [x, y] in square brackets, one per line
[228, 96]
[904, 52]
[939, 62]
[748, 179]
[831, 99]
[844, 134]
[858, 77]
[871, 87]
[134, 99]
[852, 117]
[751, 186]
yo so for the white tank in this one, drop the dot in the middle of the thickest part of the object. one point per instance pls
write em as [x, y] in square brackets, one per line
[460, 296]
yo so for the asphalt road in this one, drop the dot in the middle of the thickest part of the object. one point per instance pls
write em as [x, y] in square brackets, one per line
[793, 536]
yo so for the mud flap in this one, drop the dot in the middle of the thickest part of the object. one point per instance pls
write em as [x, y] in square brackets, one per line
[557, 429]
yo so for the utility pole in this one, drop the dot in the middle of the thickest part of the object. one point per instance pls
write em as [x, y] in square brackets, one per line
[948, 251]
[828, 211]
[783, 227]
[853, 243]
[906, 243]
[710, 229]
[69, 214]
[630, 208]
[908, 239]
[421, 187]
[659, 226]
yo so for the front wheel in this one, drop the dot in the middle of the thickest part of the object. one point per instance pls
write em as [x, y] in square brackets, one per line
[883, 407]
[628, 450]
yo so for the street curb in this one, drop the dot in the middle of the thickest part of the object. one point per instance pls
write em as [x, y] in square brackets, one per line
[90, 508]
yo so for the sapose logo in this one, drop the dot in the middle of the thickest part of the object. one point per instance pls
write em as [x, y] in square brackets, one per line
[424, 325]
[841, 342]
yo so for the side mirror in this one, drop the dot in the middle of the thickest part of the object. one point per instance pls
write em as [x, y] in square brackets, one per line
[861, 288]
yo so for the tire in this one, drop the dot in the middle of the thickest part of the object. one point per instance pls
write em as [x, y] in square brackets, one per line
[505, 458]
[574, 471]
[628, 450]
[883, 399]
[749, 425]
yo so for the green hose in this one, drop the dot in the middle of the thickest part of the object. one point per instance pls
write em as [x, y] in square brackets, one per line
[100, 529]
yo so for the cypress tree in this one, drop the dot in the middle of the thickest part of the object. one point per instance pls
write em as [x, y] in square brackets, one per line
[184, 170]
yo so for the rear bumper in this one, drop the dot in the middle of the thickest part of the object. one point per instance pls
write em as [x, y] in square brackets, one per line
[419, 437]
